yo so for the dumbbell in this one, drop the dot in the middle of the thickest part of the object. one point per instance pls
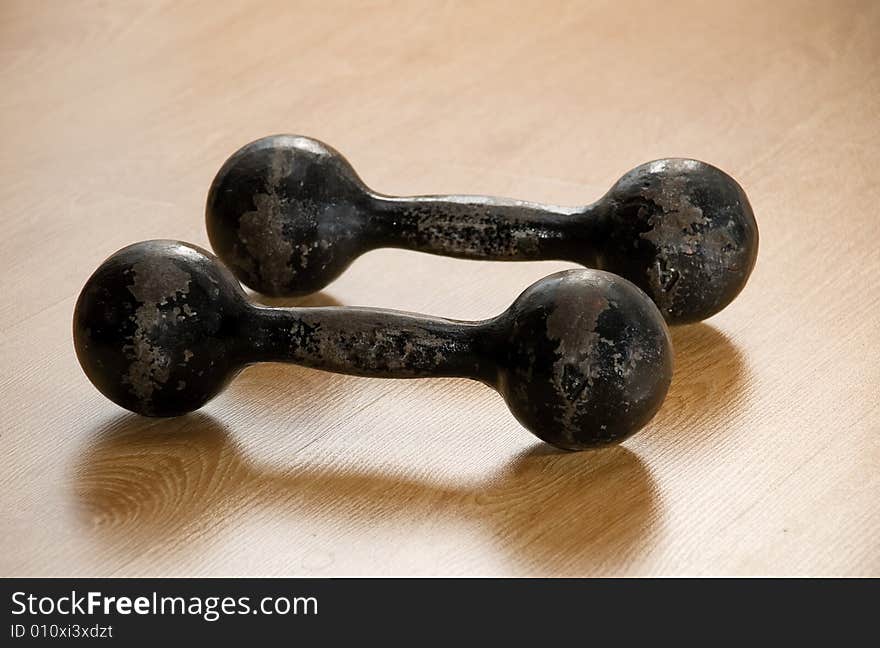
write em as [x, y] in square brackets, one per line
[582, 357]
[288, 214]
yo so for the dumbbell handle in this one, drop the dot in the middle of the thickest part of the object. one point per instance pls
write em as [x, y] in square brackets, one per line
[483, 227]
[371, 342]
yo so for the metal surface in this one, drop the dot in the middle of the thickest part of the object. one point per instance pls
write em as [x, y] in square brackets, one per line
[288, 214]
[582, 357]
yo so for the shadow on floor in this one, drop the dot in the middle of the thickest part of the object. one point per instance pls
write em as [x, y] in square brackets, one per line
[145, 483]
[707, 387]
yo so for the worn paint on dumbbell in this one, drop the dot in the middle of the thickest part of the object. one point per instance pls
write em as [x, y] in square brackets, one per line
[288, 214]
[582, 357]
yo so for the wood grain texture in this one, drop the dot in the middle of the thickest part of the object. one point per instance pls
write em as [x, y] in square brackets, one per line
[765, 457]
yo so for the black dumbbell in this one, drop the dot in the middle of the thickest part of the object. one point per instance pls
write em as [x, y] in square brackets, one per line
[582, 357]
[288, 214]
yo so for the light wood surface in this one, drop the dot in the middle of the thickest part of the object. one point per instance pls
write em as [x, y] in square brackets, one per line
[765, 459]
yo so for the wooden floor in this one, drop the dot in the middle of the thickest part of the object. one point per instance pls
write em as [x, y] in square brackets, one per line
[765, 459]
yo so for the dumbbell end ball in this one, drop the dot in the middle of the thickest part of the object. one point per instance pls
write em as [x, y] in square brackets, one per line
[284, 213]
[152, 327]
[684, 232]
[588, 359]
